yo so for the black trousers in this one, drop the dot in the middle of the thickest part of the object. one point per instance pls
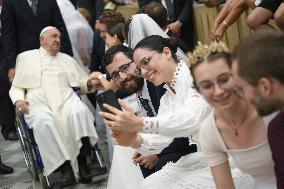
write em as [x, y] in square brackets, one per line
[84, 151]
[7, 114]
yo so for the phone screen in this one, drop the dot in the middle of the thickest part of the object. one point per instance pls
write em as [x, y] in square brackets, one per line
[107, 97]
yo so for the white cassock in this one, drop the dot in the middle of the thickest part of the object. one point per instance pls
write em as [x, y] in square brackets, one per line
[56, 114]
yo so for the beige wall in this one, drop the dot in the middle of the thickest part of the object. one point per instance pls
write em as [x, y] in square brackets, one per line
[203, 18]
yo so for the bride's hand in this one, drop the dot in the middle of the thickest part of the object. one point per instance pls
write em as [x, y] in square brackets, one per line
[135, 156]
[127, 139]
[122, 120]
[148, 161]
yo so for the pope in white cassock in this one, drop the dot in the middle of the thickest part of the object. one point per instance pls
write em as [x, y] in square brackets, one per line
[42, 91]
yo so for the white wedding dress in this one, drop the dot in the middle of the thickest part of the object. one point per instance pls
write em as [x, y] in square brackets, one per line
[123, 173]
[191, 171]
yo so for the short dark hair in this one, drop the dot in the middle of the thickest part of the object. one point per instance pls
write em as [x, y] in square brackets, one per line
[261, 54]
[118, 30]
[111, 18]
[111, 52]
[158, 43]
[157, 12]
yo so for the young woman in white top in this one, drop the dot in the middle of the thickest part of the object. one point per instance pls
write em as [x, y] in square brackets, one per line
[234, 127]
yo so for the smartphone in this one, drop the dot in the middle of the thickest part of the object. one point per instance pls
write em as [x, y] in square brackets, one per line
[107, 97]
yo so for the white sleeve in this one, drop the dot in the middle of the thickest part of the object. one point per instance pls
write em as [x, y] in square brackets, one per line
[16, 94]
[153, 144]
[182, 121]
[209, 141]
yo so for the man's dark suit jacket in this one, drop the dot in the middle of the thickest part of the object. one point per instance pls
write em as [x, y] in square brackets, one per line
[4, 82]
[7, 110]
[98, 52]
[184, 13]
[181, 44]
[21, 28]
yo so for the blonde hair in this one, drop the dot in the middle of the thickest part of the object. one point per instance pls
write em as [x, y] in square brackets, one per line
[203, 51]
[207, 53]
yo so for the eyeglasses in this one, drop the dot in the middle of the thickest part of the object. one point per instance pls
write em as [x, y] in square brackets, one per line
[222, 81]
[146, 60]
[122, 69]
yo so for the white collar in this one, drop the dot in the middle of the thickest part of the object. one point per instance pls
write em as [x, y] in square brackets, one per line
[44, 52]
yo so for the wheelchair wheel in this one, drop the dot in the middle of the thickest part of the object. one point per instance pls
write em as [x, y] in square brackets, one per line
[26, 145]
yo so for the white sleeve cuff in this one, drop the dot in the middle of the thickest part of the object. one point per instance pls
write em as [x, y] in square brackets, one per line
[153, 143]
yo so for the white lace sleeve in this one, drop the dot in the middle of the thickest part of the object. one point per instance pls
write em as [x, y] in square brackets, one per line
[153, 144]
[182, 121]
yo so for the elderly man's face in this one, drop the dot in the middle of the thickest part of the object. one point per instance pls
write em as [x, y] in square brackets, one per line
[263, 97]
[51, 41]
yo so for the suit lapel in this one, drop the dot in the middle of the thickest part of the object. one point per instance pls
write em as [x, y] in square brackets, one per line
[40, 7]
[153, 95]
[26, 6]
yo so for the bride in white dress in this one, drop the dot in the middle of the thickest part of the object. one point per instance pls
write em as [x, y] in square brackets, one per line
[122, 167]
[181, 111]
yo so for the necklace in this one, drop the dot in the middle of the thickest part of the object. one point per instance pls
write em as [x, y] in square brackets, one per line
[236, 129]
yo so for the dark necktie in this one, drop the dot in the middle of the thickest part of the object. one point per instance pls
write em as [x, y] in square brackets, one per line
[170, 9]
[146, 106]
[34, 6]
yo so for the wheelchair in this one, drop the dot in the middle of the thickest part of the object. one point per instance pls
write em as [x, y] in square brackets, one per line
[31, 154]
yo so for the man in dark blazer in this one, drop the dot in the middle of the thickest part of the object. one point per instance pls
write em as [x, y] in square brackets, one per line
[114, 60]
[98, 52]
[21, 27]
[7, 110]
[181, 20]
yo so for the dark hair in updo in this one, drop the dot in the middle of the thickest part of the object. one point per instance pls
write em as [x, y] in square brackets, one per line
[158, 43]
